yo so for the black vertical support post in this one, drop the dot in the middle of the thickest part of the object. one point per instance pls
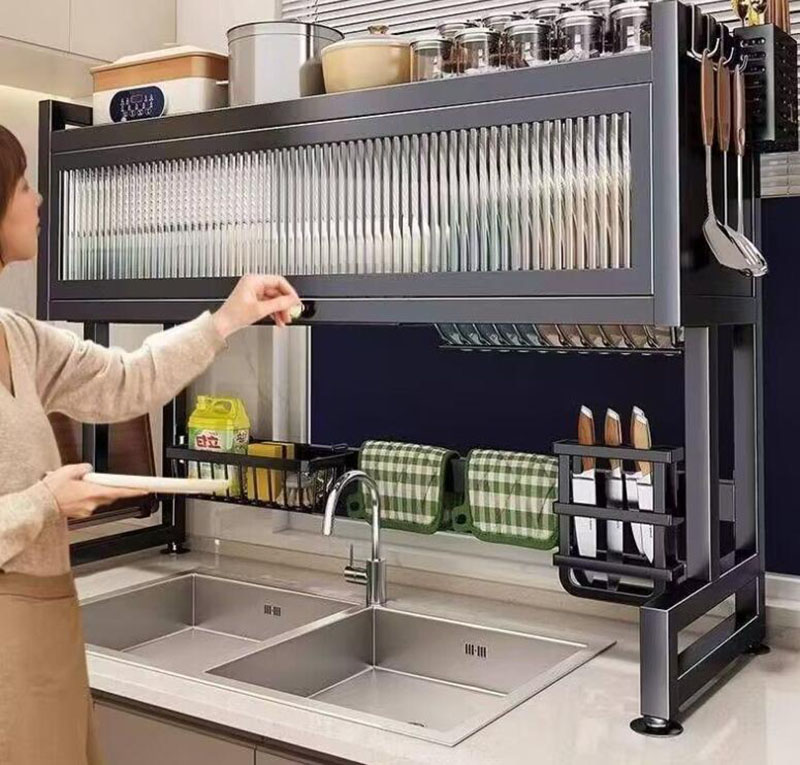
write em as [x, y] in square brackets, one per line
[173, 509]
[53, 116]
[702, 453]
[95, 437]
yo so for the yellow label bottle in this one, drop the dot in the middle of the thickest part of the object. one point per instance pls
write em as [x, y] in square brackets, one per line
[219, 424]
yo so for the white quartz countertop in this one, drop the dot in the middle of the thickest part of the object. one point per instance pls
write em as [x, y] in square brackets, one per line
[583, 718]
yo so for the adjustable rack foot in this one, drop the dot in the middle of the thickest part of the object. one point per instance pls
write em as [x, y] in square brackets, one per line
[758, 649]
[656, 726]
[175, 548]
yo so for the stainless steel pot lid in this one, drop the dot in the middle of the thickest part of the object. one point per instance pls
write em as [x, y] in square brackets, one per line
[285, 27]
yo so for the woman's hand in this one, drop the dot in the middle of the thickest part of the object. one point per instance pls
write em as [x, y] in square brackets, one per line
[77, 498]
[253, 299]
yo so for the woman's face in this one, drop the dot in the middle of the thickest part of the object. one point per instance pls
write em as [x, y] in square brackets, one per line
[19, 228]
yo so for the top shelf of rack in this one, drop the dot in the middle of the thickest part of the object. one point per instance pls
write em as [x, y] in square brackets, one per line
[419, 98]
[571, 192]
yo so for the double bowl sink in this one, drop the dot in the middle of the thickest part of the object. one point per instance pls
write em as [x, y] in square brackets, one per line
[426, 677]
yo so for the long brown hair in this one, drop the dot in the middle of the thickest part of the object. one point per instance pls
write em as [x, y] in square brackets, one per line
[12, 167]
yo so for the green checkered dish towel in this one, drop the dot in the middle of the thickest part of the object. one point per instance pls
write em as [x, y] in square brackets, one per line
[510, 497]
[411, 479]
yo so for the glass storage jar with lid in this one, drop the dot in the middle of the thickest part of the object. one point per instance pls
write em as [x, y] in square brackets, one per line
[631, 29]
[478, 50]
[548, 10]
[449, 29]
[499, 21]
[529, 42]
[603, 7]
[580, 35]
[431, 58]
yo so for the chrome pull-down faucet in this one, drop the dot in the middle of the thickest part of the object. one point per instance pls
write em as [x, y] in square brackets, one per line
[373, 575]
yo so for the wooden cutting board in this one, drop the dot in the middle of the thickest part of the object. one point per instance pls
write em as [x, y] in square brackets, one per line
[130, 447]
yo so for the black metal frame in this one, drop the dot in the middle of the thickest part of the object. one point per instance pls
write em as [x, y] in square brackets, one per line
[170, 532]
[674, 282]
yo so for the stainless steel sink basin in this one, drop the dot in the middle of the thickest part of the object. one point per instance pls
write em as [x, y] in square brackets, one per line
[425, 677]
[192, 622]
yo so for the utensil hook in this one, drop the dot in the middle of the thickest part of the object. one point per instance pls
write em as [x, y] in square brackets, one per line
[742, 64]
[734, 50]
[693, 52]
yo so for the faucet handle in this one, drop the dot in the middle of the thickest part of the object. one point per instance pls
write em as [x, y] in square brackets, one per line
[355, 574]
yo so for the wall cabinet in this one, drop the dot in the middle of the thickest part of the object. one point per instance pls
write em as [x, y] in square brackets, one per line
[108, 30]
[41, 22]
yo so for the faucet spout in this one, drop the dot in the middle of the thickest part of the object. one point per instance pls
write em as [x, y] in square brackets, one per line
[375, 574]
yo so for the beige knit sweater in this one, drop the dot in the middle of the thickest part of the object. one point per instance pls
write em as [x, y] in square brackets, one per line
[54, 371]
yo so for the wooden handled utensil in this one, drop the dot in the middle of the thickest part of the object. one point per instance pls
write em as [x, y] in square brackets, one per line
[739, 135]
[724, 128]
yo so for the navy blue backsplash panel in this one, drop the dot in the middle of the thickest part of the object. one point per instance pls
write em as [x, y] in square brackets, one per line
[781, 382]
[396, 383]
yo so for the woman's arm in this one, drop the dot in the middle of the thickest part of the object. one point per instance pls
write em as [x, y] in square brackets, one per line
[23, 515]
[94, 384]
[91, 383]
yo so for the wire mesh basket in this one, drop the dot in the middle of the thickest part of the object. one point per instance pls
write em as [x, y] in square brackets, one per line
[295, 477]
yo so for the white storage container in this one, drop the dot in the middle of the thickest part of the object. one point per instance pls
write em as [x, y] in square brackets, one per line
[170, 81]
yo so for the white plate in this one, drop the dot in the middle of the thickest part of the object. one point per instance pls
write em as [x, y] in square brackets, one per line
[157, 484]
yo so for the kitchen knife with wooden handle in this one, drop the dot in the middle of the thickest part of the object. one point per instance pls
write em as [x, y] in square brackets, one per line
[586, 435]
[615, 530]
[640, 438]
[613, 435]
[584, 491]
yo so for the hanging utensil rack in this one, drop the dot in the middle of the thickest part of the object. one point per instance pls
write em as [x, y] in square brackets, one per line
[471, 229]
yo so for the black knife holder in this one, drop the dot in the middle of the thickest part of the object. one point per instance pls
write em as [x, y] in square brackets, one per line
[626, 577]
[770, 88]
